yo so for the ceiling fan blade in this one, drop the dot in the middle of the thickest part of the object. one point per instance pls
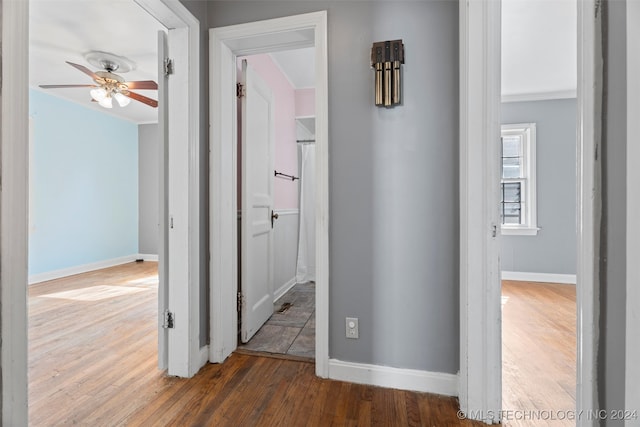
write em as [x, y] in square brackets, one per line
[62, 86]
[83, 69]
[150, 102]
[142, 84]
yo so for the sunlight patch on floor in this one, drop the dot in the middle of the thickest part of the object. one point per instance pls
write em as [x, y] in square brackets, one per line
[149, 280]
[95, 293]
[504, 300]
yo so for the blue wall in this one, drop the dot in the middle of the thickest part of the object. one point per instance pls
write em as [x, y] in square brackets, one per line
[84, 185]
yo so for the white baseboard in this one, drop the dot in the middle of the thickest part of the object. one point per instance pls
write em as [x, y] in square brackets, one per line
[283, 289]
[85, 268]
[539, 277]
[385, 376]
[148, 257]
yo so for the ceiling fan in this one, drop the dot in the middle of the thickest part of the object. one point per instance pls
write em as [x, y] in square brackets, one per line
[109, 85]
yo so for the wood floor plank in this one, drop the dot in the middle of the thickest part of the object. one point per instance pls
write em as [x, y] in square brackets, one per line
[276, 411]
[318, 403]
[538, 350]
[217, 407]
[413, 410]
[364, 413]
[93, 362]
[305, 406]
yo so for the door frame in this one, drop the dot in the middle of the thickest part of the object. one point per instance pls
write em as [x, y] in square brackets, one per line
[480, 388]
[632, 343]
[226, 44]
[14, 210]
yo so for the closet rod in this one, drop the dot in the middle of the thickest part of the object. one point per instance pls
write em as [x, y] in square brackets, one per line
[291, 177]
[309, 141]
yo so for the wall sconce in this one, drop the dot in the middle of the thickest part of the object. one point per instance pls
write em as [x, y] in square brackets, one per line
[386, 58]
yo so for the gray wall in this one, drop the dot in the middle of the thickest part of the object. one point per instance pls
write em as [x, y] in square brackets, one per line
[148, 191]
[611, 358]
[393, 180]
[553, 250]
[356, 237]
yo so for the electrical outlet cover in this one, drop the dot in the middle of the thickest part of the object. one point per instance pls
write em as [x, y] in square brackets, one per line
[351, 327]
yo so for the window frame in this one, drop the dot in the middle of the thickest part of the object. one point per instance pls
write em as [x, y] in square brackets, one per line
[529, 199]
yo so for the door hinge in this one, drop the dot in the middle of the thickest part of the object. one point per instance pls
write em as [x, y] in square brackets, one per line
[240, 91]
[168, 66]
[168, 320]
[494, 230]
[240, 301]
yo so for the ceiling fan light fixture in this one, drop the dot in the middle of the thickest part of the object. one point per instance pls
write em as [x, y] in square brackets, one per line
[109, 85]
[108, 60]
[106, 102]
[122, 100]
[98, 94]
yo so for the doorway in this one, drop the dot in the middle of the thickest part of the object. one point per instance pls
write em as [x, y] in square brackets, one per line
[227, 44]
[287, 327]
[181, 20]
[90, 156]
[480, 394]
[185, 43]
[538, 207]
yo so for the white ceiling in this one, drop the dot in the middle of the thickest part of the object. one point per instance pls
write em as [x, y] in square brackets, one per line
[66, 30]
[539, 50]
[298, 65]
[539, 47]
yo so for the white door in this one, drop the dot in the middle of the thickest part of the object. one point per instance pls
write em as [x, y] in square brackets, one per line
[175, 342]
[163, 259]
[256, 274]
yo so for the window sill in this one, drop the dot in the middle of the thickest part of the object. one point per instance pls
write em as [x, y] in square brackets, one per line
[519, 231]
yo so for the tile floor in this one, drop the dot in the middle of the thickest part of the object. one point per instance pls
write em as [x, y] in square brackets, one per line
[292, 332]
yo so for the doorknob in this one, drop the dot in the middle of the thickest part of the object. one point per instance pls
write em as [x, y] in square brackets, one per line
[274, 216]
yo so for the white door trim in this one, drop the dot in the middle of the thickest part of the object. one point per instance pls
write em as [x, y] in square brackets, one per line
[480, 392]
[14, 212]
[480, 338]
[590, 64]
[224, 48]
[632, 372]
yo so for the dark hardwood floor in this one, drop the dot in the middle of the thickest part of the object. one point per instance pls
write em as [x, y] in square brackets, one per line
[93, 362]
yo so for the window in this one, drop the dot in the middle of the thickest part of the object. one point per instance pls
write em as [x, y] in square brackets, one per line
[518, 183]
